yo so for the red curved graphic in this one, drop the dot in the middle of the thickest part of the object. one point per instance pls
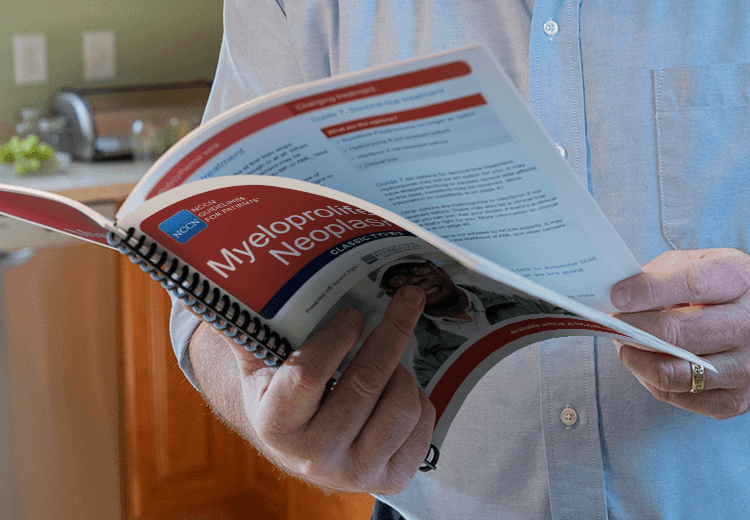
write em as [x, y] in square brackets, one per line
[451, 380]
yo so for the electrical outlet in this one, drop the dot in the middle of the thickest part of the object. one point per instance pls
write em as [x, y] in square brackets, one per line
[29, 58]
[98, 55]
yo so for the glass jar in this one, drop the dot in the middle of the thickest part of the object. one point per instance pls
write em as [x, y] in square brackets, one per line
[29, 121]
[52, 132]
[147, 141]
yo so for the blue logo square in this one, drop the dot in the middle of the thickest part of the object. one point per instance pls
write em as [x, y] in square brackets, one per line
[183, 226]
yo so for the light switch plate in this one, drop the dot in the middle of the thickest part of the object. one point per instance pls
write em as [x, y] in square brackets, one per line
[98, 55]
[30, 58]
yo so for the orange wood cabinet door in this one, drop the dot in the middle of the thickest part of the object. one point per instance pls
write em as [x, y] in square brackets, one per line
[177, 456]
[59, 340]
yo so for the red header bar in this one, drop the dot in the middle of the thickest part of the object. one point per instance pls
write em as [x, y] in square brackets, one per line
[446, 107]
[380, 87]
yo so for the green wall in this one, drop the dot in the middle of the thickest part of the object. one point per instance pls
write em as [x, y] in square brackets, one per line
[156, 41]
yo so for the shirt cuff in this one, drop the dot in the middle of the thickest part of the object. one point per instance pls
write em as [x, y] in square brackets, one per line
[182, 325]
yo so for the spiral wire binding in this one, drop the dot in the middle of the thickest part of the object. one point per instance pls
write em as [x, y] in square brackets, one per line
[205, 300]
[216, 308]
[430, 461]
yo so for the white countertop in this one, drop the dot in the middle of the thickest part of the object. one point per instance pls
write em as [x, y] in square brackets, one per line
[108, 180]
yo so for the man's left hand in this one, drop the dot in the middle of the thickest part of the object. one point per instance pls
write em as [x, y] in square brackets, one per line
[700, 301]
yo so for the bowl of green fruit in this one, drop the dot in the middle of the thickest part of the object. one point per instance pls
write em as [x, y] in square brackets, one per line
[29, 156]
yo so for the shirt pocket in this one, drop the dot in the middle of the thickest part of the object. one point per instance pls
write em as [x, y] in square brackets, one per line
[703, 145]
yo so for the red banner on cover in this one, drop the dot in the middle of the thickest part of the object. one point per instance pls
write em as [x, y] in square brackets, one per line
[52, 214]
[252, 240]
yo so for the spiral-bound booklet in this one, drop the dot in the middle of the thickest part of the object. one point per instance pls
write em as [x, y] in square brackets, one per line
[275, 215]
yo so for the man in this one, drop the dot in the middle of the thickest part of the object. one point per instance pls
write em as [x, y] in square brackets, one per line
[648, 101]
[452, 313]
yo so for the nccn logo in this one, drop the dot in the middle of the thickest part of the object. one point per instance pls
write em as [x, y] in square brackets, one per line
[182, 226]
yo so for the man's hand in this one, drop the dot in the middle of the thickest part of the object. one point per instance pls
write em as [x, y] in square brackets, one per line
[371, 432]
[698, 300]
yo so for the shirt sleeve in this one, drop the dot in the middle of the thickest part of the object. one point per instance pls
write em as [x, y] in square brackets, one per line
[256, 57]
[182, 325]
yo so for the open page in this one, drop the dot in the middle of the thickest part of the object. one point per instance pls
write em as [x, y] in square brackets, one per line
[444, 141]
[295, 253]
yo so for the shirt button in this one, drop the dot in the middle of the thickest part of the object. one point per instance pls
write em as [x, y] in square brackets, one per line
[568, 416]
[550, 28]
[562, 151]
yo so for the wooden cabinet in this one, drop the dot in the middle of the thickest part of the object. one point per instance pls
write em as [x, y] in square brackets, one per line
[60, 350]
[182, 462]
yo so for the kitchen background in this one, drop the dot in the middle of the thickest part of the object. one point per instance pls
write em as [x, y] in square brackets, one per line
[155, 41]
[96, 420]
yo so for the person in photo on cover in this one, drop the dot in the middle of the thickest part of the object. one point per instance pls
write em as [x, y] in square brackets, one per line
[648, 102]
[452, 312]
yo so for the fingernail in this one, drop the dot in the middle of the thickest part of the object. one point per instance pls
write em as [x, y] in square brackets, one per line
[351, 316]
[412, 295]
[621, 297]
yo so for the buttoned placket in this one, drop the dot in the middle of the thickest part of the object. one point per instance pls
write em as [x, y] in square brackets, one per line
[567, 366]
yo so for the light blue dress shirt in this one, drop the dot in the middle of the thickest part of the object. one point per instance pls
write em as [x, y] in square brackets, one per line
[651, 102]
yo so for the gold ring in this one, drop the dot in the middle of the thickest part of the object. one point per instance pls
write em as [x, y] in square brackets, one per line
[697, 378]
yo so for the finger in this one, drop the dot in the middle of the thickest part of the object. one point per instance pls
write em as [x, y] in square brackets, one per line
[667, 374]
[407, 460]
[719, 404]
[678, 277]
[351, 402]
[699, 329]
[295, 392]
[398, 413]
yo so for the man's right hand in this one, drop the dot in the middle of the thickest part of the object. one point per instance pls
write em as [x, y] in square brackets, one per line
[371, 432]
